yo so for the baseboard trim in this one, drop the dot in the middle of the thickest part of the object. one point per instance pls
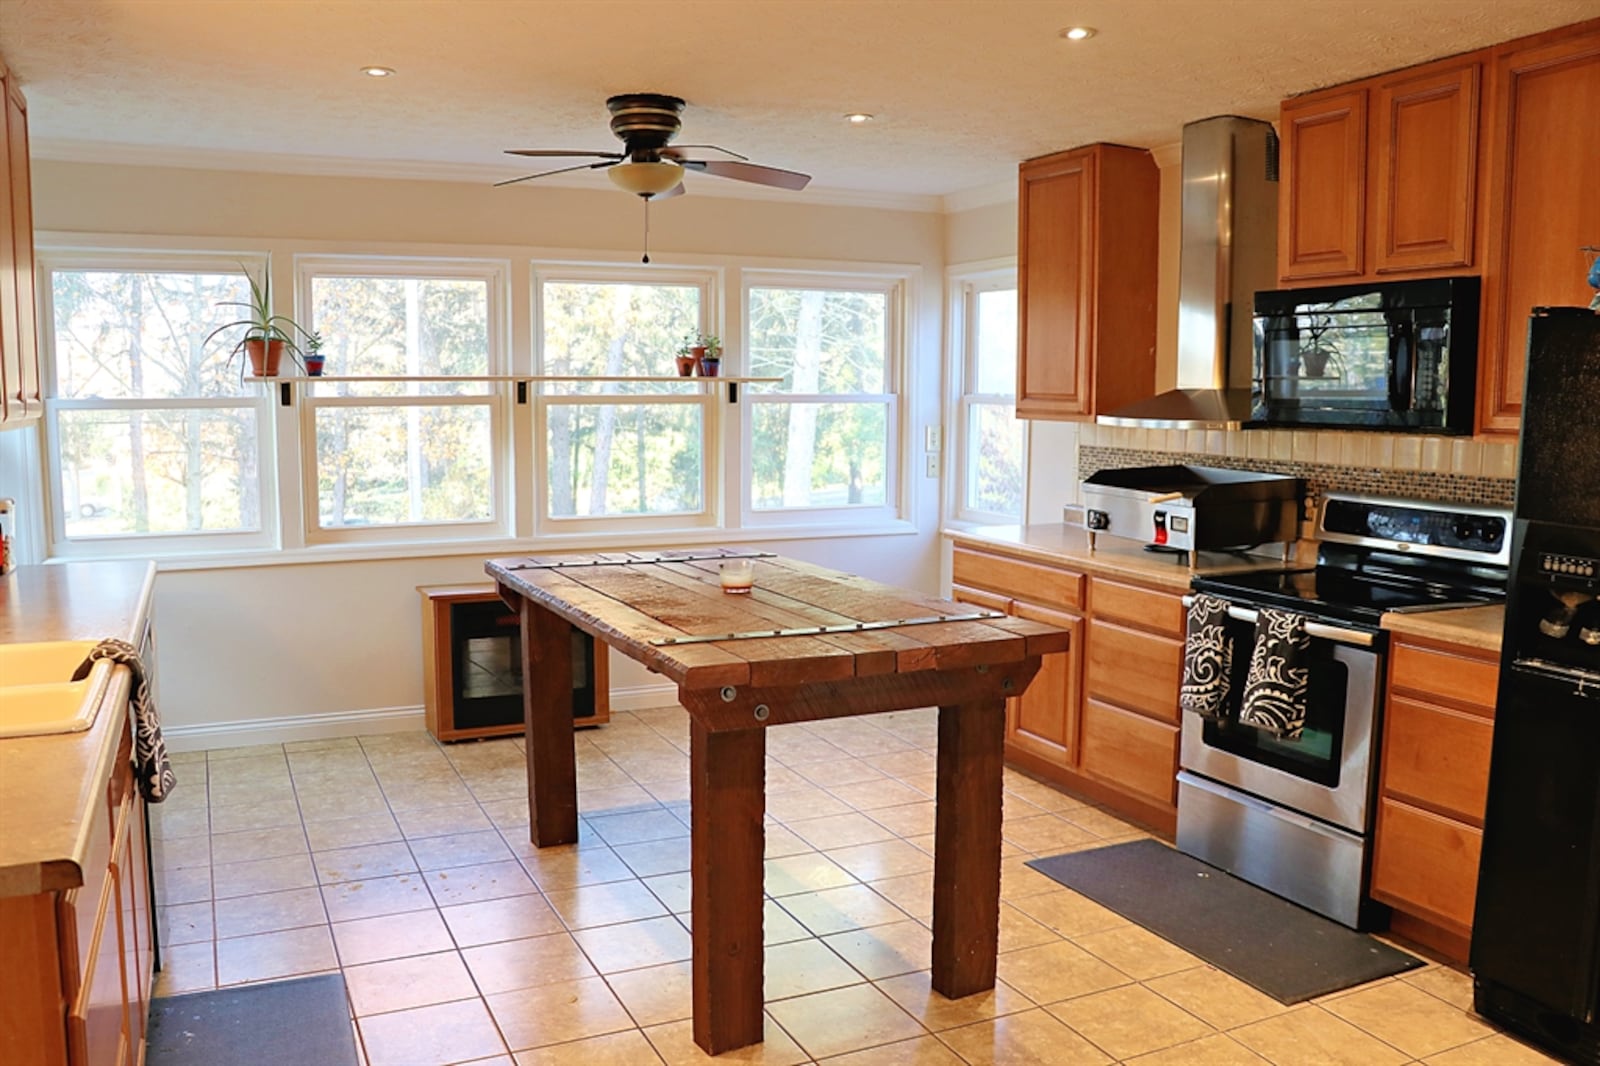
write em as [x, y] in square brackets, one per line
[292, 727]
[643, 697]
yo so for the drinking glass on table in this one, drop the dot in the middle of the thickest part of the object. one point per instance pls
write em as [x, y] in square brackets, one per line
[736, 575]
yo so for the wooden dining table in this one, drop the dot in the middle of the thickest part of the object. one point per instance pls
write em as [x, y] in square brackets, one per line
[805, 644]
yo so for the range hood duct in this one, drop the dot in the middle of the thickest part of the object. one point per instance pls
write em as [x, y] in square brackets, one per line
[1228, 251]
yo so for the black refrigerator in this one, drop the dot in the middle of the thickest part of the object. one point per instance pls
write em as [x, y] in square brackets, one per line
[1536, 935]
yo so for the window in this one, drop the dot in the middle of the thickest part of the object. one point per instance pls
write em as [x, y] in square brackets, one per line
[637, 452]
[150, 429]
[826, 436]
[392, 455]
[992, 445]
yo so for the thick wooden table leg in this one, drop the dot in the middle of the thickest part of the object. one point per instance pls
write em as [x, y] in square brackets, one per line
[547, 719]
[727, 797]
[966, 848]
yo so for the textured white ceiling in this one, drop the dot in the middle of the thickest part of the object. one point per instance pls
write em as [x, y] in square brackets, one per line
[962, 89]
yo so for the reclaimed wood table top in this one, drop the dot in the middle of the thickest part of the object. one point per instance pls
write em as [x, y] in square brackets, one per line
[801, 623]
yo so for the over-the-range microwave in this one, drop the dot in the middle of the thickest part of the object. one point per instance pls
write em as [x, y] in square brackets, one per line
[1399, 356]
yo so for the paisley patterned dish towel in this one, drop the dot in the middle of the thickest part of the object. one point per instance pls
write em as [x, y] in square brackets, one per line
[1280, 674]
[150, 765]
[1207, 659]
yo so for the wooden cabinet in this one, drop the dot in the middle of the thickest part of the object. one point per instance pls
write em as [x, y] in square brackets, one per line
[19, 349]
[1380, 177]
[1543, 203]
[1086, 281]
[1438, 728]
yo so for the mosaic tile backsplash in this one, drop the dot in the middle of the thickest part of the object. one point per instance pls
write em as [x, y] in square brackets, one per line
[1424, 468]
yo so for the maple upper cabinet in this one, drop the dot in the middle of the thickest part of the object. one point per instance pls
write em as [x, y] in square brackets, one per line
[1322, 186]
[19, 350]
[1543, 201]
[1086, 281]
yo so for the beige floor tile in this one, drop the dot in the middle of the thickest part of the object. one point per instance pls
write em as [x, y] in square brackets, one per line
[885, 950]
[188, 884]
[907, 820]
[914, 992]
[1031, 1038]
[174, 853]
[431, 1036]
[912, 893]
[269, 911]
[415, 981]
[1128, 1021]
[619, 799]
[844, 1019]
[460, 849]
[1216, 1050]
[1018, 880]
[835, 772]
[1018, 930]
[657, 994]
[187, 968]
[511, 918]
[1310, 1036]
[476, 884]
[1445, 982]
[628, 1048]
[364, 862]
[781, 842]
[1409, 1018]
[391, 936]
[1057, 971]
[277, 874]
[673, 890]
[335, 833]
[1101, 823]
[924, 1051]
[674, 1042]
[839, 830]
[186, 923]
[349, 900]
[802, 967]
[1045, 797]
[606, 904]
[632, 945]
[1137, 952]
[557, 1013]
[253, 844]
[266, 815]
[267, 956]
[179, 822]
[1217, 998]
[636, 827]
[439, 821]
[1046, 834]
[881, 859]
[1067, 913]
[836, 910]
[873, 795]
[807, 872]
[1497, 1050]
[777, 925]
[512, 964]
[570, 866]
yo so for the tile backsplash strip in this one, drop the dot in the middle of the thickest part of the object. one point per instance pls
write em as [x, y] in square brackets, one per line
[1425, 468]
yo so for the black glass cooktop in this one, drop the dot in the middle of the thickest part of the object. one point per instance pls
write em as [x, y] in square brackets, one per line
[1337, 594]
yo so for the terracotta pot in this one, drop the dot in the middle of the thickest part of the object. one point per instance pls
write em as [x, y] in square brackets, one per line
[264, 357]
[686, 364]
[314, 365]
[698, 351]
[708, 367]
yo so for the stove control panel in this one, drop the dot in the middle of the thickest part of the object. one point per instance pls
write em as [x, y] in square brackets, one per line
[1568, 565]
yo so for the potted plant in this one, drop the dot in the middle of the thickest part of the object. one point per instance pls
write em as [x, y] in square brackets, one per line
[710, 355]
[687, 359]
[266, 335]
[312, 356]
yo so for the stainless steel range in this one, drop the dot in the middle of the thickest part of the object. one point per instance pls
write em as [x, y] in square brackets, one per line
[1295, 816]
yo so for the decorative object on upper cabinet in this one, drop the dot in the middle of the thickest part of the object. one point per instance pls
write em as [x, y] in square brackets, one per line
[710, 355]
[312, 356]
[266, 335]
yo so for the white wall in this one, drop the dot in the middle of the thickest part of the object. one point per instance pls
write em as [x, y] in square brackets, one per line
[268, 652]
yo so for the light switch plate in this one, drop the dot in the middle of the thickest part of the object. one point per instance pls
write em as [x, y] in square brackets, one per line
[932, 459]
[930, 438]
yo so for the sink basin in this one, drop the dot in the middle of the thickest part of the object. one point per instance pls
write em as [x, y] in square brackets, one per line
[36, 696]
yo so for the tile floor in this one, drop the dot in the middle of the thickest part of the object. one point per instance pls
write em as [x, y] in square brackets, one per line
[406, 865]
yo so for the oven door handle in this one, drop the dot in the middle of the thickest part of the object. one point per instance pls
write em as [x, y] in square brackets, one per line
[1337, 634]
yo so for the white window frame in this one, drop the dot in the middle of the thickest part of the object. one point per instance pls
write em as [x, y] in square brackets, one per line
[185, 542]
[709, 281]
[896, 287]
[965, 284]
[497, 398]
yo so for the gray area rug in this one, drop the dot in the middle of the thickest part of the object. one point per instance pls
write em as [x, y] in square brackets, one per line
[303, 1021]
[1273, 945]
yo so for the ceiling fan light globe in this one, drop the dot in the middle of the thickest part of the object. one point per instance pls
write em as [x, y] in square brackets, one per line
[646, 179]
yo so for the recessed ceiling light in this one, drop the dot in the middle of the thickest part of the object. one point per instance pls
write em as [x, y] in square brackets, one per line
[378, 72]
[1078, 33]
[857, 118]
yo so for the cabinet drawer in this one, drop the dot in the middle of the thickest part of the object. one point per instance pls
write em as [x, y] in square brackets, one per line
[1437, 757]
[1426, 864]
[1139, 607]
[1018, 577]
[1443, 675]
[992, 601]
[1130, 751]
[1135, 670]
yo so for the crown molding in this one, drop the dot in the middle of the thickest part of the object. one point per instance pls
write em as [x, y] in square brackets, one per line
[999, 192]
[1167, 155]
[63, 150]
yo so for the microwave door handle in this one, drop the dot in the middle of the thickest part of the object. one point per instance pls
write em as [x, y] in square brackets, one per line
[1402, 364]
[1317, 630]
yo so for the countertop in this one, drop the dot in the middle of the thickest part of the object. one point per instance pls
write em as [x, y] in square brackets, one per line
[1472, 627]
[48, 784]
[1061, 544]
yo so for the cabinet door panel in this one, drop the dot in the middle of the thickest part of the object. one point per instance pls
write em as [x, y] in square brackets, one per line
[1437, 757]
[1140, 607]
[1426, 162]
[10, 341]
[1135, 670]
[1130, 751]
[1323, 194]
[1439, 675]
[1542, 206]
[96, 1024]
[1426, 864]
[22, 391]
[1054, 282]
[1046, 715]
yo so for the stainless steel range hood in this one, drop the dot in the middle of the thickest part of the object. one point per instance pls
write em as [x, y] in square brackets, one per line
[1228, 251]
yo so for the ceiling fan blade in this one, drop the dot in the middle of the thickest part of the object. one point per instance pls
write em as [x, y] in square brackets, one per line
[752, 172]
[678, 151]
[562, 170]
[561, 153]
[676, 190]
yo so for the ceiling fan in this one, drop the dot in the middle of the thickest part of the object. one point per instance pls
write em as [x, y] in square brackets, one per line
[648, 166]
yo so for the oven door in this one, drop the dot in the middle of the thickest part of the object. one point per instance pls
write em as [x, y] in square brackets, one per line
[1327, 772]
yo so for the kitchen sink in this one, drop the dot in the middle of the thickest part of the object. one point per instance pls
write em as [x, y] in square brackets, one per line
[37, 695]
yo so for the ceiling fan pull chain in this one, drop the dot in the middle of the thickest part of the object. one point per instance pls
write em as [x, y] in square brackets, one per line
[646, 200]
